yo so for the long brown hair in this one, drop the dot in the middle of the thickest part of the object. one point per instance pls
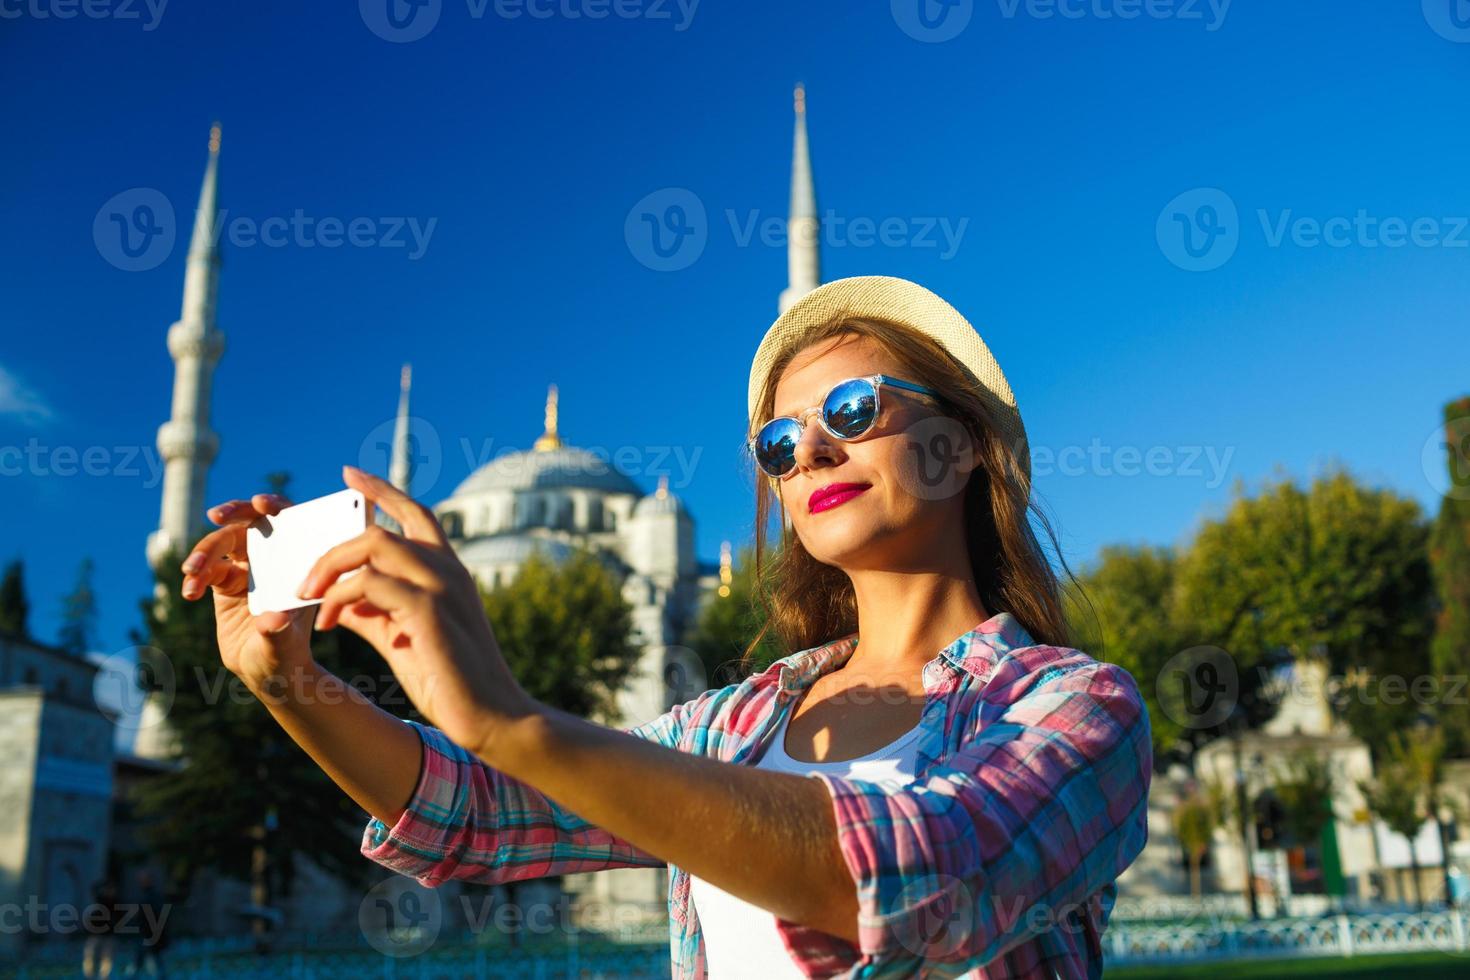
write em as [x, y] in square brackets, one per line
[808, 603]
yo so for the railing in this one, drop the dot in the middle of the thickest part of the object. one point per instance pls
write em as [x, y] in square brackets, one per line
[1343, 934]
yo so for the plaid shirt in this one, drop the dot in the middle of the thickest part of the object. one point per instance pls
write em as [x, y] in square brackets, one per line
[998, 860]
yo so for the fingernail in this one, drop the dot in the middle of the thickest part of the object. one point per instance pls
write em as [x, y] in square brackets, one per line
[193, 563]
[317, 623]
[303, 591]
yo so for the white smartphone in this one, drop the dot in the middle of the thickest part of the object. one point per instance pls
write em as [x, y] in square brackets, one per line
[282, 549]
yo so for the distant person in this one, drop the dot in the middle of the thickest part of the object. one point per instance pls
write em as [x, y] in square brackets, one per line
[932, 781]
[152, 919]
[101, 923]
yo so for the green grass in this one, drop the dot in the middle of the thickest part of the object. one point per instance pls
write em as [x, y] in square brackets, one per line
[1421, 966]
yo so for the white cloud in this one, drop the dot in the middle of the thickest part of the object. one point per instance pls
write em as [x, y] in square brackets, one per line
[17, 399]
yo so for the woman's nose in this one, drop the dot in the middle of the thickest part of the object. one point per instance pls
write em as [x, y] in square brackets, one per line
[816, 448]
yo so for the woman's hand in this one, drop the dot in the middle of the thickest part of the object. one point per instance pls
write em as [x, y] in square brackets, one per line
[259, 650]
[417, 604]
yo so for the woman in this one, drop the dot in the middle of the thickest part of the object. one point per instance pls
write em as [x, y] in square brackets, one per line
[954, 795]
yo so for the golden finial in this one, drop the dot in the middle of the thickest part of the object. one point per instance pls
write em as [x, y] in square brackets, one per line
[725, 574]
[663, 487]
[214, 134]
[405, 376]
[549, 439]
[800, 98]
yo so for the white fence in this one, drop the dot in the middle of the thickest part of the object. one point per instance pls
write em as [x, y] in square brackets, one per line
[1345, 934]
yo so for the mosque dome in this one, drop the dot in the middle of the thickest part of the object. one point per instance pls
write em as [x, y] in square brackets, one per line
[549, 464]
[511, 549]
[544, 469]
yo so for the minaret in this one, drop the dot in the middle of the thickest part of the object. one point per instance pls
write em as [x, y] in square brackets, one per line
[400, 458]
[400, 465]
[185, 441]
[803, 232]
[549, 439]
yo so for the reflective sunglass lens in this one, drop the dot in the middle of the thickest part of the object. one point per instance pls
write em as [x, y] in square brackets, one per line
[850, 408]
[775, 446]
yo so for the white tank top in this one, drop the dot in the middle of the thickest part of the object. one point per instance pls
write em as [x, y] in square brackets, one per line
[740, 939]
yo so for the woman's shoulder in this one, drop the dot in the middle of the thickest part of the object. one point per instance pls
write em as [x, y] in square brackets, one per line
[1047, 668]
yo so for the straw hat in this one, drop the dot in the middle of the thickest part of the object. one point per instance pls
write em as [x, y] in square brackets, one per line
[905, 302]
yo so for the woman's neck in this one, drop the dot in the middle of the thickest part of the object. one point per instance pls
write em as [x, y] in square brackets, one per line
[906, 618]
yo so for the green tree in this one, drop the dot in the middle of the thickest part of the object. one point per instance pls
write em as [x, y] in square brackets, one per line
[726, 625]
[1303, 784]
[1126, 615]
[79, 613]
[14, 607]
[1195, 820]
[245, 800]
[1449, 555]
[1337, 566]
[566, 632]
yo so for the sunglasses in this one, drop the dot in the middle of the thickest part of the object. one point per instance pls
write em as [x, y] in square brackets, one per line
[848, 411]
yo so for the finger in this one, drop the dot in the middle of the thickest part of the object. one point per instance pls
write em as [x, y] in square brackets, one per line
[208, 552]
[237, 511]
[381, 549]
[220, 573]
[392, 595]
[417, 521]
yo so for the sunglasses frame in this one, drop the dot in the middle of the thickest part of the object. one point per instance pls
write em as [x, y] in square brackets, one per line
[876, 380]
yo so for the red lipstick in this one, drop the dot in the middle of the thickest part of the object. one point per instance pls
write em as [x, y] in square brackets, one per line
[825, 498]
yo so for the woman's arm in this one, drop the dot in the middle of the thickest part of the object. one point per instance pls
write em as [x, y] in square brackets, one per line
[1041, 810]
[368, 752]
[767, 837]
[469, 821]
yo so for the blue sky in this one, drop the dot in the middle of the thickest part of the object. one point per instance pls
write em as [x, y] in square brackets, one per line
[1065, 147]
